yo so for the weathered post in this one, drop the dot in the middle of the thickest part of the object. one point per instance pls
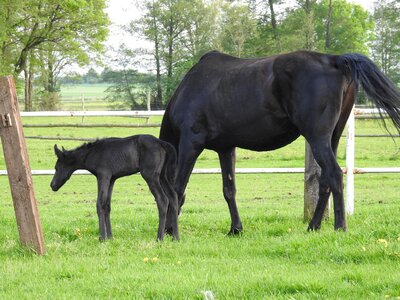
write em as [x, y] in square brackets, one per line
[350, 145]
[312, 174]
[18, 168]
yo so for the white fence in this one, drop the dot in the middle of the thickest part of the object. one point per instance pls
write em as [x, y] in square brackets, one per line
[350, 149]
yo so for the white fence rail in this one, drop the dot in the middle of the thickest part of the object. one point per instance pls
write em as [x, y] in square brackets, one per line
[350, 160]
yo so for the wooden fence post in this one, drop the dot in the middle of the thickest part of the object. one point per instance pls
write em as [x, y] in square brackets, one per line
[18, 168]
[312, 174]
[350, 158]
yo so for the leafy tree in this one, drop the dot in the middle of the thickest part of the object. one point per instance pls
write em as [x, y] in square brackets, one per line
[386, 43]
[75, 27]
[127, 84]
[238, 27]
[350, 27]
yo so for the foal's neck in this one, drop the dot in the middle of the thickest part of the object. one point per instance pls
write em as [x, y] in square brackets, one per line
[79, 155]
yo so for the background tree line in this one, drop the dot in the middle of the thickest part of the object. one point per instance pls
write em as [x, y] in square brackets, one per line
[38, 38]
[182, 31]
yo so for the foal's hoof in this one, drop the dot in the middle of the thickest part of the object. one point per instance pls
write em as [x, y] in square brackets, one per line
[168, 230]
[235, 231]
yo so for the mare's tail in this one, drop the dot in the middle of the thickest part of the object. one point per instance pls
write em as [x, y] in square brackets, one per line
[375, 84]
[170, 165]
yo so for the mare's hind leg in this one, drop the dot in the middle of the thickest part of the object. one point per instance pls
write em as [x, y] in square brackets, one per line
[324, 192]
[152, 179]
[331, 180]
[227, 162]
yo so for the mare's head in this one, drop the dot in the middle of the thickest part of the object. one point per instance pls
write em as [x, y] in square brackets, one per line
[65, 166]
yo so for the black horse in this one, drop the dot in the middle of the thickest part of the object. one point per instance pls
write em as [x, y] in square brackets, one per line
[263, 104]
[111, 158]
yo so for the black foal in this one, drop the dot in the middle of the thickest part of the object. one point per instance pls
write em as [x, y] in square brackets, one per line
[111, 158]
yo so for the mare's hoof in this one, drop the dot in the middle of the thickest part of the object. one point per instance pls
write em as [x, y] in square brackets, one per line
[235, 231]
[341, 228]
[313, 227]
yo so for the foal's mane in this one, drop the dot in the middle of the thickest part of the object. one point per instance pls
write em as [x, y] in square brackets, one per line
[85, 146]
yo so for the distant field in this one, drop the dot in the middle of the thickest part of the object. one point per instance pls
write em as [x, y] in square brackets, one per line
[93, 95]
[86, 90]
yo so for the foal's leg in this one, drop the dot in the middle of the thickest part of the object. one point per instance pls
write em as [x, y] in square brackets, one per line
[102, 195]
[107, 209]
[227, 162]
[331, 177]
[153, 181]
[173, 207]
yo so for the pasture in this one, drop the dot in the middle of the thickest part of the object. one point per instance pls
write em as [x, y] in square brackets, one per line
[93, 94]
[275, 258]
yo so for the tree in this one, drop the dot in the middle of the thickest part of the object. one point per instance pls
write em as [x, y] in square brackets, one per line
[238, 26]
[181, 31]
[386, 42]
[76, 27]
[127, 84]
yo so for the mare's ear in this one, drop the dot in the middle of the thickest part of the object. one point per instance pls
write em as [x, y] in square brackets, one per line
[57, 151]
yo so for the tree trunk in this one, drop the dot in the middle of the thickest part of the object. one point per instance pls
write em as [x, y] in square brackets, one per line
[28, 73]
[309, 26]
[274, 25]
[170, 58]
[328, 27]
[158, 99]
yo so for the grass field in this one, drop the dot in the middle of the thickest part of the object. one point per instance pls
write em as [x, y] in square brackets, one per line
[274, 258]
[93, 94]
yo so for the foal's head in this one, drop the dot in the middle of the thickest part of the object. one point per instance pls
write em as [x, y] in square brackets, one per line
[65, 166]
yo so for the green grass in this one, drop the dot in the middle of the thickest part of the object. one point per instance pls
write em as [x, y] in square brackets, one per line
[87, 90]
[275, 258]
[94, 96]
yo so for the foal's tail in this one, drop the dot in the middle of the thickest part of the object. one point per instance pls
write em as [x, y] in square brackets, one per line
[170, 165]
[376, 85]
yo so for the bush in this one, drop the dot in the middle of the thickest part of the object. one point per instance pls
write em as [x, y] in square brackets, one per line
[48, 101]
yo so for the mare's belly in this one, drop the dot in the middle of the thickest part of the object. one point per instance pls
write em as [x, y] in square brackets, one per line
[258, 136]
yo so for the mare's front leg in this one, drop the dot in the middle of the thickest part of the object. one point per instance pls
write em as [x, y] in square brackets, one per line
[227, 162]
[103, 185]
[187, 155]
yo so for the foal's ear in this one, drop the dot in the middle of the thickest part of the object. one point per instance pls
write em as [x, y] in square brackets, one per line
[57, 151]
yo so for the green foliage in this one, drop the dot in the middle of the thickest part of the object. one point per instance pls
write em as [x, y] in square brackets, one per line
[130, 87]
[48, 101]
[386, 42]
[351, 28]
